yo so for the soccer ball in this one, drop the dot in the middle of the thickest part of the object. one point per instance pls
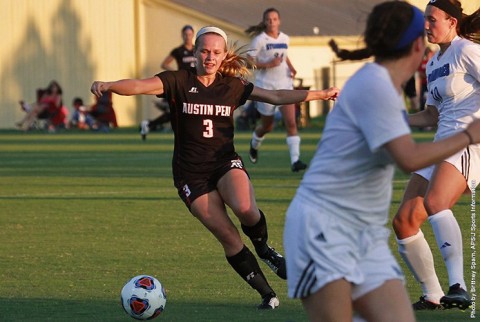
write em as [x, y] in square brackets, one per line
[143, 297]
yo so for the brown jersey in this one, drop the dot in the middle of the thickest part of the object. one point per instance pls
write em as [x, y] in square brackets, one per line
[202, 120]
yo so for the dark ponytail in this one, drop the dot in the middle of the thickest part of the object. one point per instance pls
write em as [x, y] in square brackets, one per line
[386, 26]
[469, 27]
[391, 29]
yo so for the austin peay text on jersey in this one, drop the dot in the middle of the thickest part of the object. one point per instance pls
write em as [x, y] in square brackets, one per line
[207, 109]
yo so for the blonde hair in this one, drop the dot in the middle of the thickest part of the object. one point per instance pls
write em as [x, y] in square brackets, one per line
[236, 62]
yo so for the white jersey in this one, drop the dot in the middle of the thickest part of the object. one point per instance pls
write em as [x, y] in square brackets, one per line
[264, 49]
[351, 173]
[454, 86]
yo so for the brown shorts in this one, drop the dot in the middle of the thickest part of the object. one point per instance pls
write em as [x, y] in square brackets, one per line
[191, 186]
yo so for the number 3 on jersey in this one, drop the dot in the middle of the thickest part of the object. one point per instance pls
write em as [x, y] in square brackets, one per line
[208, 133]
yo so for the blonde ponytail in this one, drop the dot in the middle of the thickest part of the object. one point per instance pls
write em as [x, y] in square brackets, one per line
[236, 63]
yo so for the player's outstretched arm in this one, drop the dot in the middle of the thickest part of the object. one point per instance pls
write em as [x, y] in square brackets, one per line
[283, 97]
[152, 85]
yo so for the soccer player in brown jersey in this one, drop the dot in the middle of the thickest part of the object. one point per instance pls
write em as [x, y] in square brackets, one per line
[207, 172]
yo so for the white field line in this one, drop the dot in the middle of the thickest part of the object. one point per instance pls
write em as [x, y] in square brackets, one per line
[86, 193]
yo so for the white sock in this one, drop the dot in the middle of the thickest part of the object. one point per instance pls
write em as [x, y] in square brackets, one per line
[358, 318]
[418, 256]
[257, 141]
[449, 240]
[293, 143]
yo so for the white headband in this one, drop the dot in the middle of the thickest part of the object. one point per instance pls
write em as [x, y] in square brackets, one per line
[214, 30]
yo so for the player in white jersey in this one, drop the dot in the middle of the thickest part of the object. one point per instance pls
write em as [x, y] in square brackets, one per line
[453, 102]
[265, 49]
[335, 239]
[274, 70]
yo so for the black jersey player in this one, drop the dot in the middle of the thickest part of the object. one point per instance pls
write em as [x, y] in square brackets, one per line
[184, 58]
[208, 173]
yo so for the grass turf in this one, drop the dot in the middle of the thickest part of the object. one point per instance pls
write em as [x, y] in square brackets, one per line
[81, 213]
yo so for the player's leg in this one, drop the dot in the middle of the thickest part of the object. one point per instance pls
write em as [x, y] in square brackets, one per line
[159, 121]
[389, 302]
[293, 139]
[331, 303]
[237, 192]
[144, 129]
[288, 115]
[380, 295]
[411, 214]
[412, 245]
[322, 253]
[210, 210]
[446, 187]
[267, 112]
[146, 126]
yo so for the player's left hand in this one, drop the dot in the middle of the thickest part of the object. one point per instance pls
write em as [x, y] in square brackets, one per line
[331, 93]
[98, 88]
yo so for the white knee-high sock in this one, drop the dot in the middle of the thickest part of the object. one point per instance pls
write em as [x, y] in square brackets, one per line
[417, 255]
[293, 143]
[257, 141]
[449, 240]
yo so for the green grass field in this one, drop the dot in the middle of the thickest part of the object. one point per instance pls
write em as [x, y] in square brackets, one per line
[81, 213]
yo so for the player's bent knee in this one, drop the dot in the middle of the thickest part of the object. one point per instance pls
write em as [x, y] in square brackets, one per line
[406, 224]
[400, 226]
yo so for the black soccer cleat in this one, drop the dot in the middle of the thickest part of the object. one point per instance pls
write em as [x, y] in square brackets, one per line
[456, 297]
[276, 262]
[269, 302]
[425, 305]
[253, 154]
[298, 165]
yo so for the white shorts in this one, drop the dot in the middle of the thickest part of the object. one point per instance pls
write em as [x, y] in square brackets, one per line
[269, 109]
[321, 248]
[467, 162]
[265, 108]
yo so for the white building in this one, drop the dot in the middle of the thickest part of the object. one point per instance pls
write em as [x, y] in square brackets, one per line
[78, 41]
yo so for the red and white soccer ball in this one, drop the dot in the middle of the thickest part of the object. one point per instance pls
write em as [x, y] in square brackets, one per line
[143, 297]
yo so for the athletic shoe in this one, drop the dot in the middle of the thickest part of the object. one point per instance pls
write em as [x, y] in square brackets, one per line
[424, 304]
[276, 262]
[269, 302]
[299, 165]
[144, 129]
[456, 297]
[253, 154]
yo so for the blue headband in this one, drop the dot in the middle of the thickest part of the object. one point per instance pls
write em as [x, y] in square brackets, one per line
[414, 30]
